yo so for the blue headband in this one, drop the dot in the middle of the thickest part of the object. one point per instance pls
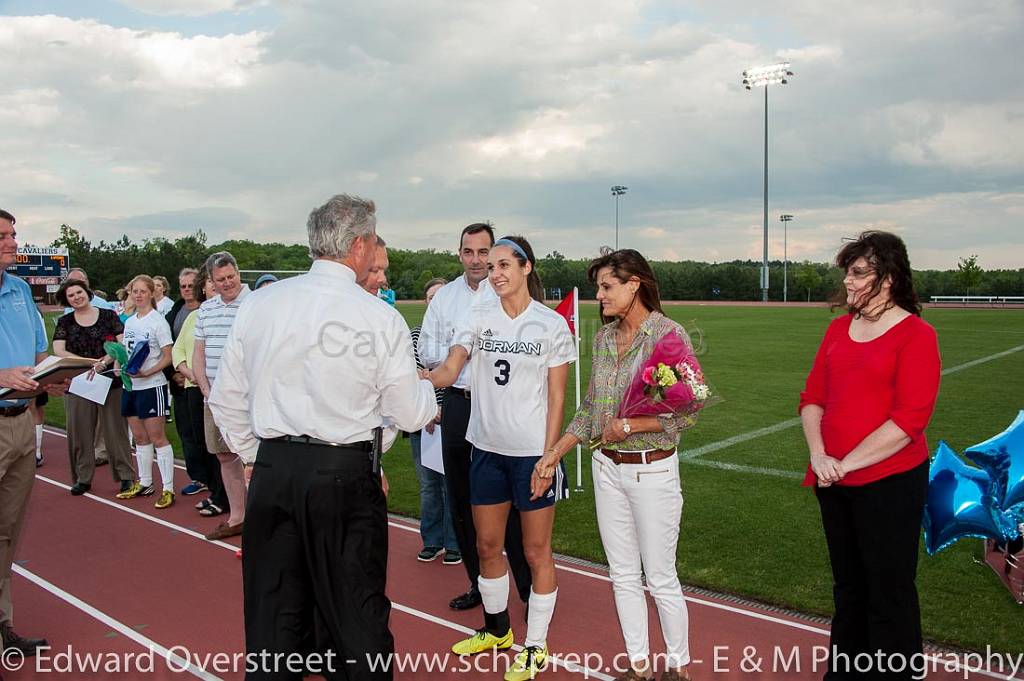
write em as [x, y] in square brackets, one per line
[514, 246]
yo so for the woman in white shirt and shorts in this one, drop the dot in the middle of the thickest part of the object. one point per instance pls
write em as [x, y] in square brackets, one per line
[520, 352]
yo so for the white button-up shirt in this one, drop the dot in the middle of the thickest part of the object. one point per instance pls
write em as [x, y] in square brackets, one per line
[448, 309]
[317, 355]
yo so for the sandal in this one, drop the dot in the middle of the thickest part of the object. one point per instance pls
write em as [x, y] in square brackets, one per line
[203, 504]
[210, 510]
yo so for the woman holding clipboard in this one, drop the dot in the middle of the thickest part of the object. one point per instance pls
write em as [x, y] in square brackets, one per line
[81, 334]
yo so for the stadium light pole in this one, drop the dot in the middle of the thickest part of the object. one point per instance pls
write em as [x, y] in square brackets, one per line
[617, 191]
[785, 256]
[763, 76]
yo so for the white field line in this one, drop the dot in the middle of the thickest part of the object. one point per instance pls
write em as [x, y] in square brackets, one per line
[789, 423]
[738, 468]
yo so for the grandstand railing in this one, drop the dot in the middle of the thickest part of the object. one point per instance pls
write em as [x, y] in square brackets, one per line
[978, 300]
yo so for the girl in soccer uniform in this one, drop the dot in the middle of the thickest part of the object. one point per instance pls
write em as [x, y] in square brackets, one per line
[146, 404]
[519, 353]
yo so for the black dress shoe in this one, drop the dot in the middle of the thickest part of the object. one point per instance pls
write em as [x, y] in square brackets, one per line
[468, 600]
[27, 646]
[80, 488]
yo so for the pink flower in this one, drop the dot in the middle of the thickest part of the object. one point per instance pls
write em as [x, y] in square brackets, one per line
[648, 376]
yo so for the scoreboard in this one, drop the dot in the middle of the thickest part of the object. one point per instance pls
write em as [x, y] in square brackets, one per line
[41, 266]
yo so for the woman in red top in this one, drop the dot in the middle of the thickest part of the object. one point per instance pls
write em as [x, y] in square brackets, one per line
[868, 399]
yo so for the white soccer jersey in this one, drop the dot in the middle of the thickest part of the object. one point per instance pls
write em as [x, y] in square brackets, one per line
[509, 360]
[154, 329]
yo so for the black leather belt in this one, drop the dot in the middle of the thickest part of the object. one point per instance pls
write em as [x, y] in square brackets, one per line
[464, 393]
[13, 411]
[364, 446]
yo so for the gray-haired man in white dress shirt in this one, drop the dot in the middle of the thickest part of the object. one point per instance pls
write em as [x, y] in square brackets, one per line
[312, 366]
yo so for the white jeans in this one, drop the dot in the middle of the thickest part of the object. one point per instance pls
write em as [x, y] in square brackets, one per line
[638, 512]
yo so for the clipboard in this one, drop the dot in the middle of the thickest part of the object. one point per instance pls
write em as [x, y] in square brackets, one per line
[51, 370]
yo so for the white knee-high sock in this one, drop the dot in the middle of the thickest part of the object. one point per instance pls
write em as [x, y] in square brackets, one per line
[494, 593]
[542, 607]
[165, 462]
[144, 455]
[39, 440]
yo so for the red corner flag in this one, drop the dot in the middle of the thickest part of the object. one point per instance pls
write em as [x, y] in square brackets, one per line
[567, 309]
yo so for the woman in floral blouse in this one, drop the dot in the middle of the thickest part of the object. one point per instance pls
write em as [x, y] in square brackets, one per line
[635, 468]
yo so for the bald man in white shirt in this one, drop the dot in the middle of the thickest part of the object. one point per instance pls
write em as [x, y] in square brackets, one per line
[312, 367]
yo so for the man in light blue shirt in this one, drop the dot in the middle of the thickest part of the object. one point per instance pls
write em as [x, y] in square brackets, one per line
[78, 274]
[22, 345]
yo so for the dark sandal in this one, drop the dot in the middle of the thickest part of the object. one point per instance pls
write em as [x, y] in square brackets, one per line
[210, 510]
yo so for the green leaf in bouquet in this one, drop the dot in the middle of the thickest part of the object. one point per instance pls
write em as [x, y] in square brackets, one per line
[120, 355]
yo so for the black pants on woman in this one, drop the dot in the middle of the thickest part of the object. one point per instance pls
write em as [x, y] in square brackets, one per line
[873, 532]
[455, 453]
[190, 423]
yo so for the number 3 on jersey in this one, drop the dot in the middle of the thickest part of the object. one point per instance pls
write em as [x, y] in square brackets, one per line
[504, 368]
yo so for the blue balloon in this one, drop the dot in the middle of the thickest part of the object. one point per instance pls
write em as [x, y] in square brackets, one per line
[961, 503]
[1003, 457]
[1013, 519]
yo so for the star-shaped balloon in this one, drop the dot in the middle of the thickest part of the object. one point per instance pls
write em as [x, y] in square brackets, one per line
[961, 503]
[1003, 457]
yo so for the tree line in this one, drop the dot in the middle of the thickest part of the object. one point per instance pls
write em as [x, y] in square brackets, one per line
[111, 265]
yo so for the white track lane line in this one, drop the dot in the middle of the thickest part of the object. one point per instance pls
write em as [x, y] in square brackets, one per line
[568, 666]
[457, 627]
[121, 628]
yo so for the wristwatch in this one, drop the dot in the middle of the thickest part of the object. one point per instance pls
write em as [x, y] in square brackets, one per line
[625, 426]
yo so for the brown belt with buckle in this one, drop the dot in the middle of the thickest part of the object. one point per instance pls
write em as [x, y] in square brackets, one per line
[13, 411]
[637, 457]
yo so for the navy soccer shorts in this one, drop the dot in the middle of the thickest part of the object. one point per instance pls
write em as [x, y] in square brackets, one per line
[147, 403]
[496, 479]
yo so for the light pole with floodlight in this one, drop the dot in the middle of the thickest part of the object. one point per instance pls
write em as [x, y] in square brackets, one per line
[763, 76]
[785, 256]
[617, 191]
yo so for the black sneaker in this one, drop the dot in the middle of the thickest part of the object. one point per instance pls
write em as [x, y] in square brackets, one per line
[80, 488]
[428, 554]
[39, 460]
[27, 646]
[452, 558]
[147, 491]
[466, 601]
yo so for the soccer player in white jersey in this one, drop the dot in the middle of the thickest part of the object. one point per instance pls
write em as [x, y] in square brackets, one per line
[145, 405]
[520, 352]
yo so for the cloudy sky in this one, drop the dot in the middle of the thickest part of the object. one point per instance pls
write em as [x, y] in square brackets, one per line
[156, 117]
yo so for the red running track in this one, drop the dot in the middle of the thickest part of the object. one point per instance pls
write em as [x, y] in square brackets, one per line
[115, 579]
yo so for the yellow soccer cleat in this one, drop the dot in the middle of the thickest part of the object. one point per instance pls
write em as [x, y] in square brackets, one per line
[131, 492]
[528, 663]
[165, 500]
[483, 641]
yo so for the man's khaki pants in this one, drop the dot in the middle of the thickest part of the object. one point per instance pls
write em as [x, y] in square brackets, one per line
[17, 473]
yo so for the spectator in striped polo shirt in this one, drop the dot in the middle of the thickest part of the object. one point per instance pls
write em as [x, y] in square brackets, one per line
[213, 323]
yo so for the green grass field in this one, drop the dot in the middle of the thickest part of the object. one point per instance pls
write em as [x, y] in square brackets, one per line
[758, 534]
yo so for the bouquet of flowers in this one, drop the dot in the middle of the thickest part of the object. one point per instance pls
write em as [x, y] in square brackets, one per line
[670, 382]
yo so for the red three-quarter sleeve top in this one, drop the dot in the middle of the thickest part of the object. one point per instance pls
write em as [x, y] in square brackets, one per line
[862, 385]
